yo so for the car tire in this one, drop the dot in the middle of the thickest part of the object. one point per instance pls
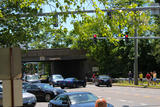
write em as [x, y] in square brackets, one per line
[47, 97]
[110, 85]
[96, 84]
[74, 86]
[84, 85]
[50, 83]
[53, 85]
[62, 87]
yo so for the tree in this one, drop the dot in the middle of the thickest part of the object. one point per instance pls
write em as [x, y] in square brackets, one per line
[109, 54]
[156, 46]
[20, 25]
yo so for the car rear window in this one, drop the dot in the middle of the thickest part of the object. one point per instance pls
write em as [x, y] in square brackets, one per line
[104, 77]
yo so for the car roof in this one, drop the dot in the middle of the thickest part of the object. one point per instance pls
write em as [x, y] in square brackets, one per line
[74, 93]
[70, 78]
[56, 74]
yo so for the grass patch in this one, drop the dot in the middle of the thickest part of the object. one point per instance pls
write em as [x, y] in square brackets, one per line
[144, 85]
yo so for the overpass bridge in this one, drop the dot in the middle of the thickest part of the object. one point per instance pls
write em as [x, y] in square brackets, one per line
[65, 61]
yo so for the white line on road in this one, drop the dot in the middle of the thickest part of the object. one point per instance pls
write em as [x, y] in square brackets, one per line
[123, 100]
[143, 104]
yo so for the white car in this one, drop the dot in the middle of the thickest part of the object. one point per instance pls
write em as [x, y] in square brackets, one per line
[32, 78]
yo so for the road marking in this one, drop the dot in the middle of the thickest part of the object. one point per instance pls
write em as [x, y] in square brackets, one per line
[123, 100]
[143, 104]
[147, 96]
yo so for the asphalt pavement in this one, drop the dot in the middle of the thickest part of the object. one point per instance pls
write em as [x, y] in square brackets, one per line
[121, 96]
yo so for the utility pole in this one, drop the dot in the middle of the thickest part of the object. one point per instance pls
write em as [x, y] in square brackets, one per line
[136, 56]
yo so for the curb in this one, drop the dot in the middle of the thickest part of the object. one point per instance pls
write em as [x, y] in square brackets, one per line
[91, 83]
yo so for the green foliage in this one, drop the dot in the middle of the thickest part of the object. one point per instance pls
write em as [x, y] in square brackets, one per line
[16, 30]
[20, 25]
[113, 56]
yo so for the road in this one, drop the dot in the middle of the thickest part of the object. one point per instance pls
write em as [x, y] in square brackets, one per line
[122, 96]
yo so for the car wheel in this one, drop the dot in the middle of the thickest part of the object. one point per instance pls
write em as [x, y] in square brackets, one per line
[62, 87]
[84, 85]
[110, 85]
[53, 85]
[96, 83]
[74, 85]
[47, 97]
[50, 83]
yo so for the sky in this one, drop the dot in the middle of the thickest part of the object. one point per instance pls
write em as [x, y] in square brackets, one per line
[88, 6]
[51, 8]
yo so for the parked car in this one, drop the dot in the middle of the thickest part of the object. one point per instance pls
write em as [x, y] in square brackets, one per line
[71, 82]
[1, 102]
[53, 79]
[29, 100]
[43, 91]
[32, 78]
[75, 99]
[103, 80]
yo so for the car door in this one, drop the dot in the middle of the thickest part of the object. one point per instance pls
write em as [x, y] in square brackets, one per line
[34, 89]
[79, 82]
[37, 91]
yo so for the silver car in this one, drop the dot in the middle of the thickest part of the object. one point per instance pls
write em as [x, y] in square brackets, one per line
[28, 98]
[53, 79]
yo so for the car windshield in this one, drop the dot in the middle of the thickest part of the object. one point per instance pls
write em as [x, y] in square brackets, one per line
[32, 77]
[46, 86]
[57, 77]
[104, 77]
[82, 98]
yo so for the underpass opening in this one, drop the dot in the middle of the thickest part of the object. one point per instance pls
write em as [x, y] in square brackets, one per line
[70, 68]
